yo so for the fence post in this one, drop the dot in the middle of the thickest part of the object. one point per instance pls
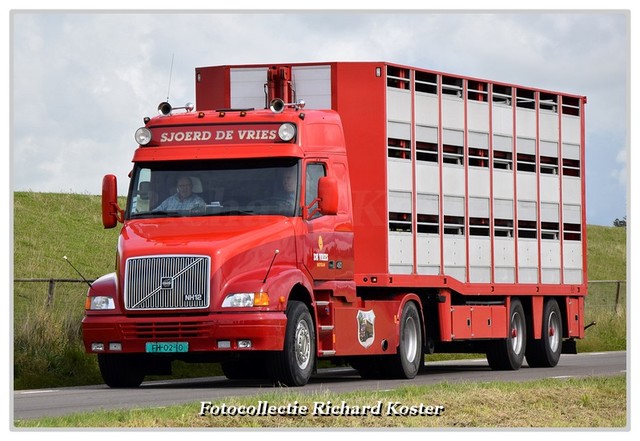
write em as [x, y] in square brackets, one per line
[52, 287]
[616, 308]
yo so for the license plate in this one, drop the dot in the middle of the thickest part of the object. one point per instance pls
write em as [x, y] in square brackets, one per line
[167, 346]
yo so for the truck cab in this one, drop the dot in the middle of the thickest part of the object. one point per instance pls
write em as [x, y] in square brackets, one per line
[232, 217]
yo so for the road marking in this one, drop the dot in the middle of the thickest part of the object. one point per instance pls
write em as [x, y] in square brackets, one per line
[33, 392]
[561, 377]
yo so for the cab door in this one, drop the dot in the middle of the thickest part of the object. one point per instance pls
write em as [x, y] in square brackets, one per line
[328, 240]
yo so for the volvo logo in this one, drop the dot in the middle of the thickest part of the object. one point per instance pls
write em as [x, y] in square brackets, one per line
[166, 283]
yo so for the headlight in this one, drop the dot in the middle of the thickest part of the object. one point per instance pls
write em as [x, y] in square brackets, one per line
[143, 136]
[246, 300]
[98, 303]
[287, 132]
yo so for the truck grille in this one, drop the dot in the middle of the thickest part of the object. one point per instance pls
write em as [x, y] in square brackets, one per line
[167, 282]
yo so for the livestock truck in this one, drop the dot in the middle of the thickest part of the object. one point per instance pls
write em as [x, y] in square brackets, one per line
[367, 213]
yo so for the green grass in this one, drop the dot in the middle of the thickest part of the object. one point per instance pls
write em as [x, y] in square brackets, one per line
[47, 340]
[48, 226]
[607, 253]
[48, 348]
[553, 403]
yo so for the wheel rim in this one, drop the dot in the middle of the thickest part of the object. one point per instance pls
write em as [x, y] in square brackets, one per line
[517, 333]
[410, 339]
[303, 345]
[552, 331]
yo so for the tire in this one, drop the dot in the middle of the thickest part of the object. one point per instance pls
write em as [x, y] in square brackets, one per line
[546, 351]
[508, 354]
[410, 357]
[121, 370]
[294, 365]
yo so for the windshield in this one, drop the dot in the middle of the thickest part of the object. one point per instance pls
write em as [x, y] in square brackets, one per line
[214, 188]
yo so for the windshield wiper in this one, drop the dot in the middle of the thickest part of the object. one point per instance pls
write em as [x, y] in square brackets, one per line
[166, 213]
[233, 213]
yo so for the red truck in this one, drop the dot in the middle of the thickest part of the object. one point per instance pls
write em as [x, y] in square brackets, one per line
[361, 212]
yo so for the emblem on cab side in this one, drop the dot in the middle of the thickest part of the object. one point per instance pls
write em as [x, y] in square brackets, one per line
[319, 256]
[366, 327]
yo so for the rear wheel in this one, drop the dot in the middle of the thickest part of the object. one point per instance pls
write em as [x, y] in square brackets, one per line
[294, 365]
[408, 360]
[546, 351]
[508, 354]
[121, 370]
[406, 363]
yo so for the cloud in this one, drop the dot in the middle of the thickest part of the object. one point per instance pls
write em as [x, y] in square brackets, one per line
[82, 82]
[621, 174]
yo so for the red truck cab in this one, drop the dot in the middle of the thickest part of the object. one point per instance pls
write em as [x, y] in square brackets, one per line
[214, 272]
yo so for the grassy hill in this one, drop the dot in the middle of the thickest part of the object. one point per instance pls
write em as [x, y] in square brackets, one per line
[48, 226]
[47, 343]
[606, 253]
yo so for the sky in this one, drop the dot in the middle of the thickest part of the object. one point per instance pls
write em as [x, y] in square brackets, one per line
[82, 81]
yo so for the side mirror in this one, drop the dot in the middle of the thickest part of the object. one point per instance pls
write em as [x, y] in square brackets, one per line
[328, 195]
[111, 211]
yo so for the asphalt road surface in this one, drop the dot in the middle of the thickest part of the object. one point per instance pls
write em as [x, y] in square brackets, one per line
[61, 401]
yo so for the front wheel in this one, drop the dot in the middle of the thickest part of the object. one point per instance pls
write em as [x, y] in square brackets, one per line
[294, 365]
[508, 354]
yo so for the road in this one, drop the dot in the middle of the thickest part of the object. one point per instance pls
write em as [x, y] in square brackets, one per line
[61, 401]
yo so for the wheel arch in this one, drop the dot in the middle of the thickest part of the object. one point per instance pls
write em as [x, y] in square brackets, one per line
[411, 298]
[302, 294]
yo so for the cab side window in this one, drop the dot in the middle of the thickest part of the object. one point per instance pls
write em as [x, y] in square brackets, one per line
[315, 171]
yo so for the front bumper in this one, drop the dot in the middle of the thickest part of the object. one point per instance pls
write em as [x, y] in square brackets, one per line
[265, 330]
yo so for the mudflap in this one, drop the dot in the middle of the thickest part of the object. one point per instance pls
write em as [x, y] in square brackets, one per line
[569, 346]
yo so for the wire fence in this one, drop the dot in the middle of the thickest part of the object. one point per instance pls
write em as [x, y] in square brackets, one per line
[51, 285]
[607, 296]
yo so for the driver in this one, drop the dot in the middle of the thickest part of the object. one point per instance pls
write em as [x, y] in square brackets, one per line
[289, 184]
[283, 199]
[184, 199]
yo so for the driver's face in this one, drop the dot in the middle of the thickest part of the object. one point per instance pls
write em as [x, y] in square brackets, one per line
[184, 188]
